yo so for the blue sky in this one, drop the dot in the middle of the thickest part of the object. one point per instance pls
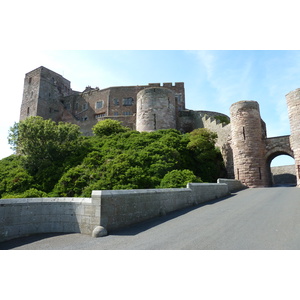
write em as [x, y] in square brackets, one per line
[213, 79]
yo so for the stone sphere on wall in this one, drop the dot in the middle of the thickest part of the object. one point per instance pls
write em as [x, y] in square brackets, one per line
[156, 109]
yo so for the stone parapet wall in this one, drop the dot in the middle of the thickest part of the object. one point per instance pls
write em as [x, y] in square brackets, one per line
[233, 185]
[107, 210]
[22, 217]
[125, 207]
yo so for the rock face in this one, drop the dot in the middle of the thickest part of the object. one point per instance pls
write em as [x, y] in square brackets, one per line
[293, 103]
[248, 144]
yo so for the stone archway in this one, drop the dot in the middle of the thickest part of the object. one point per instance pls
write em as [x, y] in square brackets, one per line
[274, 147]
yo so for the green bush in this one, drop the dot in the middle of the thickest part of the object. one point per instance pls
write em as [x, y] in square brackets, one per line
[179, 179]
[31, 193]
[56, 160]
[108, 127]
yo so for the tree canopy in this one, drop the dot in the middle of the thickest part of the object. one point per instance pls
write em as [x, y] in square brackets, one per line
[56, 160]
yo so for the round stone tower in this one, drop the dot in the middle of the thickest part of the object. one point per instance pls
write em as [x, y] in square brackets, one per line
[293, 103]
[248, 144]
[156, 109]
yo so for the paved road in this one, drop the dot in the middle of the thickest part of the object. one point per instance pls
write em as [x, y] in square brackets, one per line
[262, 218]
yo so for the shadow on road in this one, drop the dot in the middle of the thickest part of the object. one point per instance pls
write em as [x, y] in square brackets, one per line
[137, 228]
[7, 245]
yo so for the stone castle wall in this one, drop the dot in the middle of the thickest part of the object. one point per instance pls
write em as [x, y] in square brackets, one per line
[246, 150]
[293, 103]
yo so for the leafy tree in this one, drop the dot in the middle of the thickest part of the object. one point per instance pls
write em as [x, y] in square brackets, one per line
[208, 162]
[47, 148]
[13, 177]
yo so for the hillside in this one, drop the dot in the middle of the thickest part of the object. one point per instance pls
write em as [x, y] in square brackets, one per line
[56, 160]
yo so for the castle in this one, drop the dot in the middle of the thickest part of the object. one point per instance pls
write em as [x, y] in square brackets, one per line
[246, 150]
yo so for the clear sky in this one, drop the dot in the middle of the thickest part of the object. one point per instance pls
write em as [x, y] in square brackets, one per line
[213, 79]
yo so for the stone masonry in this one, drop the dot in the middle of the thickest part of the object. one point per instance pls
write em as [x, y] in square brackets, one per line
[246, 150]
[293, 102]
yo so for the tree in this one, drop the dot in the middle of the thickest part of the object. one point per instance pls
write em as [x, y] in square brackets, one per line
[208, 161]
[108, 127]
[48, 148]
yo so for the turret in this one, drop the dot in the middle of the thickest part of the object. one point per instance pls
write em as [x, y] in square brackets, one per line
[293, 103]
[248, 144]
[156, 109]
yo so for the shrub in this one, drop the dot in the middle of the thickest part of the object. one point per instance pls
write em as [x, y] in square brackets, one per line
[31, 193]
[178, 179]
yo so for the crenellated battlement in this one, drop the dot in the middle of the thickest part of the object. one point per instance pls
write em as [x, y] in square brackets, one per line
[167, 84]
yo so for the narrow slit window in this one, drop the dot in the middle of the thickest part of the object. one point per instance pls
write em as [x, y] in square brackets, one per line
[244, 135]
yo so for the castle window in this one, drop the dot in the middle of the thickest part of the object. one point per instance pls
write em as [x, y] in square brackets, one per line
[99, 104]
[28, 111]
[29, 80]
[76, 106]
[127, 113]
[127, 101]
[99, 116]
[116, 102]
[178, 98]
[116, 113]
[85, 106]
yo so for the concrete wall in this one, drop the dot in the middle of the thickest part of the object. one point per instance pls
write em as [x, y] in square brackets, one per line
[22, 217]
[106, 210]
[126, 207]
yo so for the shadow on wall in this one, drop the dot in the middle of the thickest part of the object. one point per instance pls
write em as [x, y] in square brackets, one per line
[285, 179]
[137, 228]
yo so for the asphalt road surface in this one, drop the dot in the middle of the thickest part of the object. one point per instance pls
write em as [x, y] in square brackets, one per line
[262, 218]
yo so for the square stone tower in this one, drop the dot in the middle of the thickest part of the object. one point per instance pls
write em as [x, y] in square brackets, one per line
[42, 90]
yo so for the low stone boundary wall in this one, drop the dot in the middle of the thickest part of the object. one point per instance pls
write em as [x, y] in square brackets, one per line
[106, 210]
[233, 185]
[125, 207]
[22, 217]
